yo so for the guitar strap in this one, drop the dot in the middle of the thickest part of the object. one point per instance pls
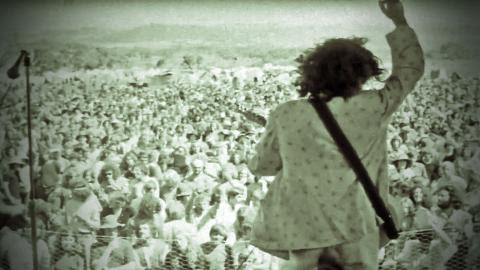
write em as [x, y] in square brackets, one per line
[356, 164]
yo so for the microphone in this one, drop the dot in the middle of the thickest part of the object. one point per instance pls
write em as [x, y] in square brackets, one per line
[12, 72]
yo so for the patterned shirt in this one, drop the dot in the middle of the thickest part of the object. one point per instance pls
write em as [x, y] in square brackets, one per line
[315, 200]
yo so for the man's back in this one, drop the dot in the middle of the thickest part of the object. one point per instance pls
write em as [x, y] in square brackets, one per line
[315, 200]
[307, 149]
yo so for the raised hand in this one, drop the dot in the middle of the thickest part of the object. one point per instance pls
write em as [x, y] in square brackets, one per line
[393, 9]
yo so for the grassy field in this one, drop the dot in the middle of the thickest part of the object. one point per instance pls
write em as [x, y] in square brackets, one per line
[228, 33]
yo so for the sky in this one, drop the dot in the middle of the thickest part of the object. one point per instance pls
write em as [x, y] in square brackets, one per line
[245, 23]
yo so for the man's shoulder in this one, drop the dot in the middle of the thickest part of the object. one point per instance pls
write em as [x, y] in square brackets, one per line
[290, 106]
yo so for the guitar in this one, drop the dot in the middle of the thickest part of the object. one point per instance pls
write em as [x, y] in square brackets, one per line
[252, 116]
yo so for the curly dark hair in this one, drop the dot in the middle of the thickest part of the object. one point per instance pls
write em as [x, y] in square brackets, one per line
[338, 67]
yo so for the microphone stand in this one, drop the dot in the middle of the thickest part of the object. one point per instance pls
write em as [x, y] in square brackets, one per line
[31, 201]
[26, 63]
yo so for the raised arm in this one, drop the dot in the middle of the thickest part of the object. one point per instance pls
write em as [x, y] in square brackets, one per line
[407, 56]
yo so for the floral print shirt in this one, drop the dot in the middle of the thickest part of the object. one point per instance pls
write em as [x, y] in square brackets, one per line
[315, 200]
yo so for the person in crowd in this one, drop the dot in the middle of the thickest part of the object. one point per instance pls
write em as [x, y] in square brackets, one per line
[150, 250]
[185, 252]
[144, 181]
[184, 255]
[396, 145]
[176, 220]
[83, 208]
[454, 228]
[431, 166]
[403, 165]
[15, 183]
[448, 152]
[184, 193]
[243, 222]
[116, 205]
[128, 163]
[111, 180]
[16, 246]
[13, 242]
[197, 150]
[152, 169]
[50, 174]
[201, 182]
[246, 255]
[112, 251]
[218, 254]
[408, 214]
[151, 210]
[200, 215]
[91, 178]
[8, 206]
[168, 190]
[180, 161]
[229, 182]
[66, 254]
[448, 174]
[421, 207]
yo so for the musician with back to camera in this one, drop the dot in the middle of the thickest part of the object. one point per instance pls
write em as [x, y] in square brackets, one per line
[315, 205]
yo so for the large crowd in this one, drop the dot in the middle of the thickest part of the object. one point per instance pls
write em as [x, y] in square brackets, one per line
[434, 157]
[131, 174]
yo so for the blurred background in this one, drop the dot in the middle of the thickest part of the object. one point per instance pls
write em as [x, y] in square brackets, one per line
[229, 33]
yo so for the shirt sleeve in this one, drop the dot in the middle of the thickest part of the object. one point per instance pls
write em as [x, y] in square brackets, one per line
[267, 160]
[408, 66]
